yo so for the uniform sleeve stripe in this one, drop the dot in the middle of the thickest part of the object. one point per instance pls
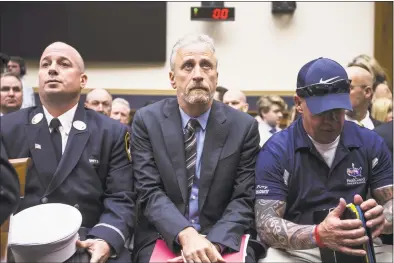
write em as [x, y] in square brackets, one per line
[113, 228]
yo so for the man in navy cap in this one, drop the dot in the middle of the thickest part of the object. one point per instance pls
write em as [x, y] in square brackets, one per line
[307, 173]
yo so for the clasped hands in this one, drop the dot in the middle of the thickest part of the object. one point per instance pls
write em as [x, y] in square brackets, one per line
[344, 235]
[196, 248]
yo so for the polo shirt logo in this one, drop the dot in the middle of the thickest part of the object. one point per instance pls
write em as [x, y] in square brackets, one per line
[356, 175]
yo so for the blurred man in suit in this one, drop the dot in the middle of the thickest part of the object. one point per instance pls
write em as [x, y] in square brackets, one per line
[99, 100]
[80, 157]
[17, 66]
[193, 161]
[9, 187]
[236, 99]
[121, 110]
[11, 93]
[361, 96]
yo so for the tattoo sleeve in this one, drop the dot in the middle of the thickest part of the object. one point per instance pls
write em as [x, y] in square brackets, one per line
[384, 197]
[278, 232]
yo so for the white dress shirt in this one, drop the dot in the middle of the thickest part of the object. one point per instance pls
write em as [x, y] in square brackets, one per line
[366, 122]
[66, 120]
[265, 132]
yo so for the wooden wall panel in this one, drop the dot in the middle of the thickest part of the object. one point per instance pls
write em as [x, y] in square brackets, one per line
[383, 43]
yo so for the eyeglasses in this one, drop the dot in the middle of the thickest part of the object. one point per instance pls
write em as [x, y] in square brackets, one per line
[321, 89]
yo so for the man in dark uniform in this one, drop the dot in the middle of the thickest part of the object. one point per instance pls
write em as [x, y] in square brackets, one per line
[80, 157]
[9, 187]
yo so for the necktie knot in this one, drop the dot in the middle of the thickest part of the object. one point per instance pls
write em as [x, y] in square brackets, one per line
[192, 125]
[273, 130]
[55, 124]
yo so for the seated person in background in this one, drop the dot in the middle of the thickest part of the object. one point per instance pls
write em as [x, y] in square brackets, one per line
[99, 100]
[270, 110]
[219, 93]
[320, 162]
[193, 162]
[11, 93]
[382, 110]
[236, 99]
[121, 110]
[17, 66]
[4, 58]
[386, 132]
[79, 157]
[9, 187]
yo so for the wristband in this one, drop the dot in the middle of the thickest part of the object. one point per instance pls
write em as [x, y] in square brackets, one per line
[311, 236]
[319, 243]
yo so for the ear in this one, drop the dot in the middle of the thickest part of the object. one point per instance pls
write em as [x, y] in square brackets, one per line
[83, 80]
[171, 75]
[368, 92]
[246, 107]
[297, 103]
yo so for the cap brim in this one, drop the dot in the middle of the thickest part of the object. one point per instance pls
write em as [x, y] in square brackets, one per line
[319, 104]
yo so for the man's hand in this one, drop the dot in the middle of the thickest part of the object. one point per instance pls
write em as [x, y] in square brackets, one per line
[341, 235]
[196, 248]
[98, 249]
[373, 214]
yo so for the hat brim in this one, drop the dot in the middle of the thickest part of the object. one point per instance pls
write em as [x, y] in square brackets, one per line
[319, 104]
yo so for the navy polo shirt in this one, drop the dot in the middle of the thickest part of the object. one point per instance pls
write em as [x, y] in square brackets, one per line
[290, 169]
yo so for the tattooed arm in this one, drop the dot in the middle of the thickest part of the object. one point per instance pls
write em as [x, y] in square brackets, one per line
[384, 197]
[278, 232]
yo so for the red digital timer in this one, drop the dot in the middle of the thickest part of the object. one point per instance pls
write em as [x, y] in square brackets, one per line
[213, 13]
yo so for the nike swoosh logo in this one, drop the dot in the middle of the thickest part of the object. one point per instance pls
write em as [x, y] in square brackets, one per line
[327, 80]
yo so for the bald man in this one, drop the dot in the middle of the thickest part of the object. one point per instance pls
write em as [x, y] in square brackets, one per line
[236, 99]
[360, 96]
[99, 100]
[80, 157]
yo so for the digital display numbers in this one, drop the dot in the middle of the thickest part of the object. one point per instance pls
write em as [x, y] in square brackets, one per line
[213, 13]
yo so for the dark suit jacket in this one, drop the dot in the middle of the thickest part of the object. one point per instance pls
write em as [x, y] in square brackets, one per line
[9, 187]
[386, 132]
[376, 123]
[226, 188]
[94, 174]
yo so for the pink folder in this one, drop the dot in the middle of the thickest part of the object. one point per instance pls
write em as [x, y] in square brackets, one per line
[161, 253]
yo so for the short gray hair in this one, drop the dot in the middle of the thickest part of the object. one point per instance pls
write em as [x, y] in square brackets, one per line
[188, 40]
[121, 101]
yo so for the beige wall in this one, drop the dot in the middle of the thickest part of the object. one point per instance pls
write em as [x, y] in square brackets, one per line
[257, 51]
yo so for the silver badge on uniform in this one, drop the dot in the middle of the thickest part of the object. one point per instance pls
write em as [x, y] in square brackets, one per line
[79, 125]
[37, 118]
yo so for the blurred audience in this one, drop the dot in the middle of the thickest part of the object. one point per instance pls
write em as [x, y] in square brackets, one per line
[4, 58]
[121, 110]
[11, 93]
[99, 100]
[236, 99]
[360, 96]
[219, 93]
[382, 110]
[17, 66]
[270, 110]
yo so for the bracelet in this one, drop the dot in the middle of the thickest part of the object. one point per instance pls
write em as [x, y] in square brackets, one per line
[317, 237]
[311, 236]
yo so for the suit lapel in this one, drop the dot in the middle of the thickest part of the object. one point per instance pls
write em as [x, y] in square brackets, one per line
[215, 138]
[75, 145]
[171, 127]
[41, 147]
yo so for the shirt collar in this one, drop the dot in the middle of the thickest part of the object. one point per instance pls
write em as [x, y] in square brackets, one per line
[65, 119]
[366, 121]
[202, 119]
[347, 137]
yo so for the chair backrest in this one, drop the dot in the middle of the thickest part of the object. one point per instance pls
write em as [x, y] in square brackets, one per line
[21, 166]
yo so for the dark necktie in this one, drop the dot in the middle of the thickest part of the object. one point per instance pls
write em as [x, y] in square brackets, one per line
[56, 138]
[190, 139]
[273, 130]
